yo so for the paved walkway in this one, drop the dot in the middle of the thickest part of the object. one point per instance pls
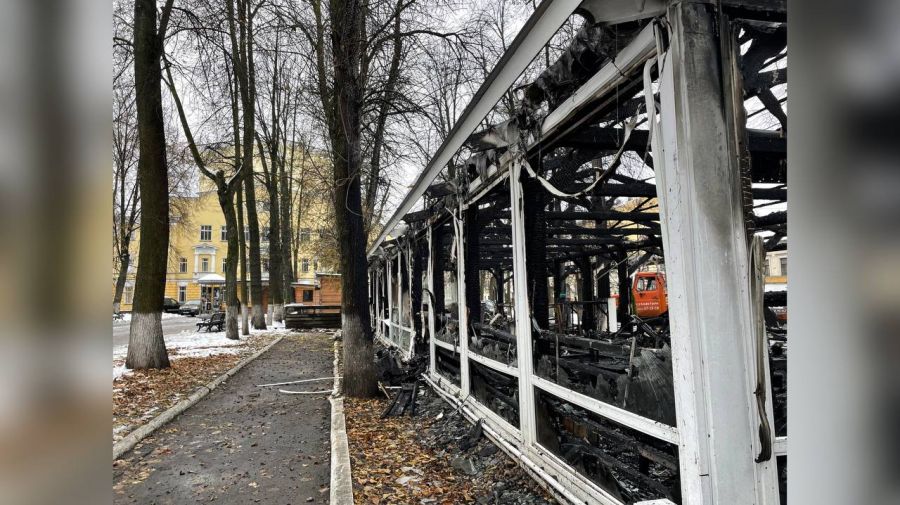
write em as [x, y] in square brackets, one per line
[242, 443]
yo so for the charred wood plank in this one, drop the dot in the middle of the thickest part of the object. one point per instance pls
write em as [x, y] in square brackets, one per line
[606, 215]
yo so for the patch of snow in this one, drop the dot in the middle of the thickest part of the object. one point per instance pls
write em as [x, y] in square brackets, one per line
[126, 318]
[120, 370]
[197, 344]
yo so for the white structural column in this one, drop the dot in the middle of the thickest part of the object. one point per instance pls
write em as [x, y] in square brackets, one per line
[389, 279]
[522, 311]
[463, 314]
[707, 264]
[429, 277]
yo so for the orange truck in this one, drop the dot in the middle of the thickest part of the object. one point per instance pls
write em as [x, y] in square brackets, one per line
[648, 294]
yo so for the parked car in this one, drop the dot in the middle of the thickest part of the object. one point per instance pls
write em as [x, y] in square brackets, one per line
[190, 308]
[171, 305]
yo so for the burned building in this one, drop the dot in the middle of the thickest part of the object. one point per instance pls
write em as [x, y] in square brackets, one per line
[657, 138]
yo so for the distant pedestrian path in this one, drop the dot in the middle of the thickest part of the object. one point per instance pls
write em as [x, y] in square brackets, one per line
[242, 443]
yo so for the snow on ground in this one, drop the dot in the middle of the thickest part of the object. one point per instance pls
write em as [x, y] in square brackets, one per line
[119, 370]
[126, 318]
[191, 343]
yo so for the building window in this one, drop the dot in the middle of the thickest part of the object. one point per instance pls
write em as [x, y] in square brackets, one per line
[265, 264]
[182, 294]
[304, 265]
[205, 232]
[307, 295]
[321, 233]
[304, 234]
[783, 266]
[182, 265]
[265, 233]
[204, 264]
[246, 234]
[224, 264]
[315, 264]
[128, 294]
[224, 234]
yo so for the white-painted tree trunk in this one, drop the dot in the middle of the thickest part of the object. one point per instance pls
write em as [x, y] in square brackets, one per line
[146, 347]
[231, 322]
[278, 315]
[245, 320]
[257, 317]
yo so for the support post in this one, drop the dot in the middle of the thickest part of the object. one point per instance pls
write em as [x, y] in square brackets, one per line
[603, 294]
[706, 250]
[535, 234]
[587, 294]
[624, 286]
[523, 319]
[611, 310]
[471, 229]
[462, 313]
[432, 254]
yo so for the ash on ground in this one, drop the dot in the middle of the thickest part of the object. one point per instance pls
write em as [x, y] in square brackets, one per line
[496, 478]
[502, 481]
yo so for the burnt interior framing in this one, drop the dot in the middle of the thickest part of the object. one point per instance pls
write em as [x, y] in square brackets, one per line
[578, 242]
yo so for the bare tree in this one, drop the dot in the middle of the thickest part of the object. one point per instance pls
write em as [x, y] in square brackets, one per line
[125, 189]
[225, 190]
[146, 347]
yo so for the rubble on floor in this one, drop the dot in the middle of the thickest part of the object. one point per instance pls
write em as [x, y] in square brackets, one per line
[435, 457]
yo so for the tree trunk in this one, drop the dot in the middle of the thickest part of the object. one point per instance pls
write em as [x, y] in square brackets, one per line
[276, 279]
[124, 263]
[258, 317]
[146, 347]
[242, 250]
[232, 303]
[344, 129]
[244, 69]
[286, 235]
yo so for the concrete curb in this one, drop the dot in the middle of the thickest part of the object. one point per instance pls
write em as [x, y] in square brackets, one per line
[132, 439]
[341, 482]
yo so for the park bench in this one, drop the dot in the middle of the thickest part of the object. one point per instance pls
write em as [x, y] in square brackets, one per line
[217, 320]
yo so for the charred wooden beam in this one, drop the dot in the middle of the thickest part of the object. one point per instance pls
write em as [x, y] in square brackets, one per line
[472, 257]
[438, 250]
[624, 287]
[535, 224]
[421, 215]
[440, 189]
[607, 215]
[768, 220]
[495, 333]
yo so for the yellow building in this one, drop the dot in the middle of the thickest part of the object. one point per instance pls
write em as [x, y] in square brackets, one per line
[198, 245]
